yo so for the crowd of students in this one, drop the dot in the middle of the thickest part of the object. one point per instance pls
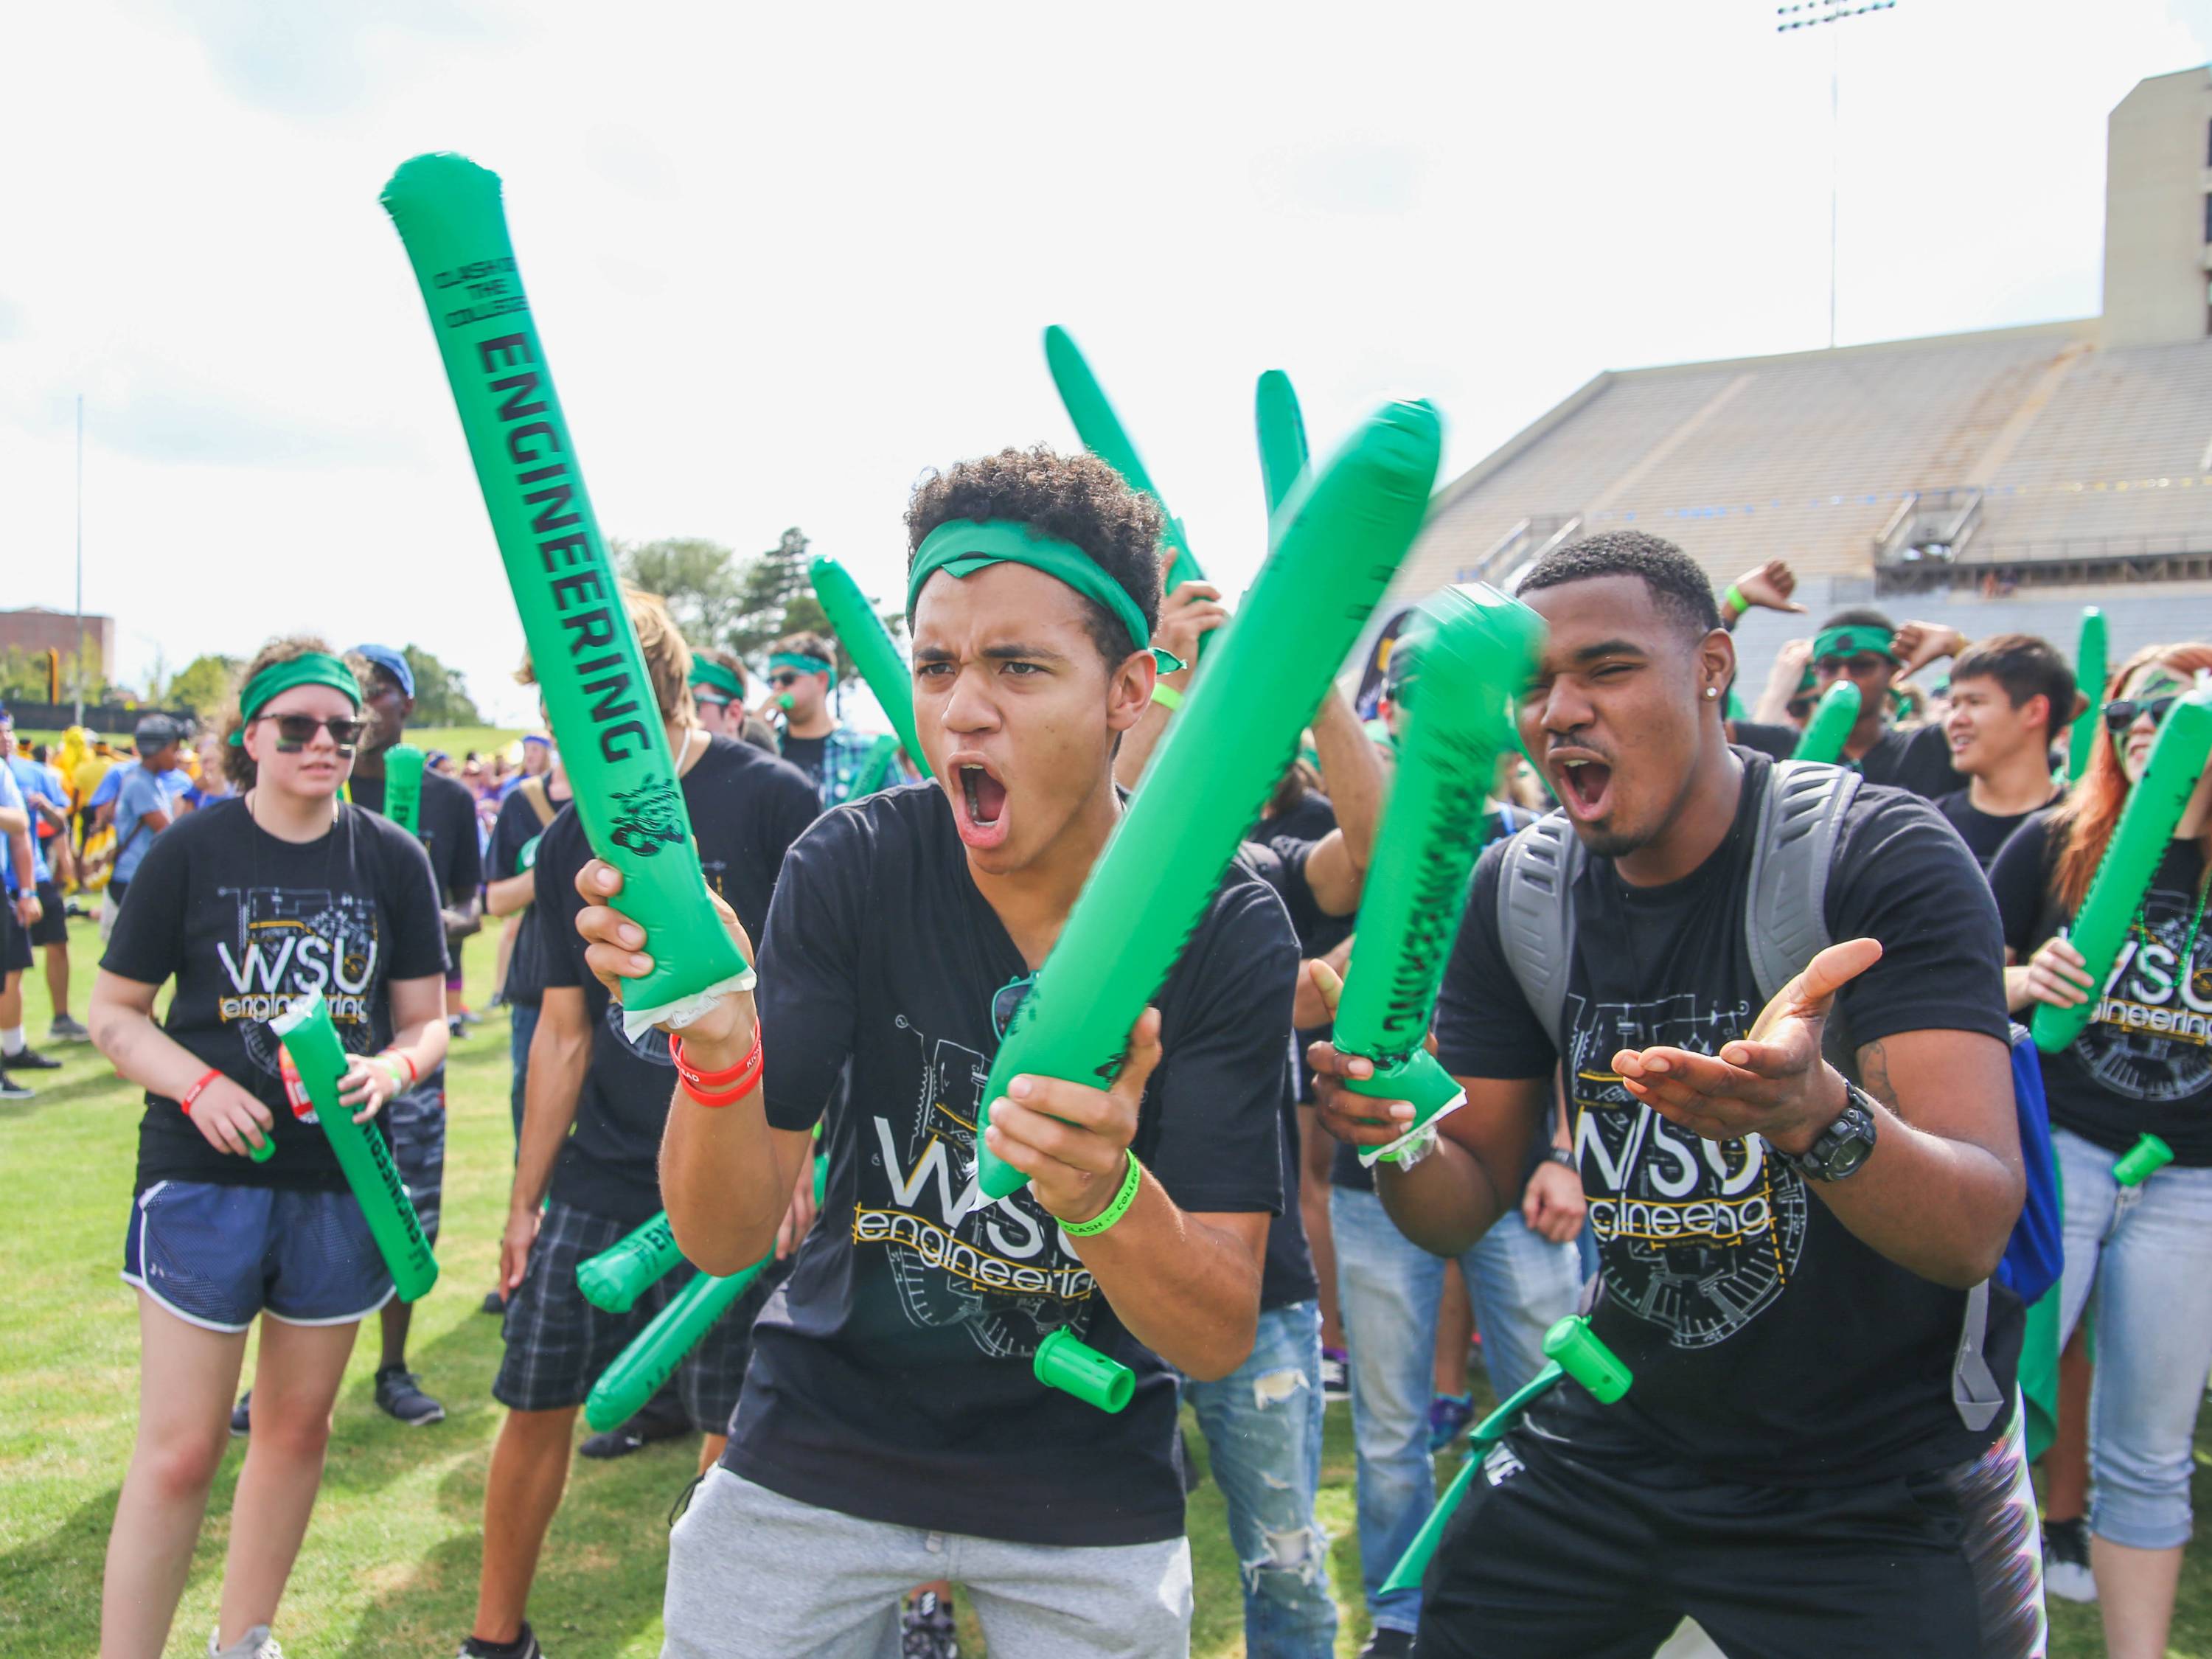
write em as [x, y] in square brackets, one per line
[1737, 1038]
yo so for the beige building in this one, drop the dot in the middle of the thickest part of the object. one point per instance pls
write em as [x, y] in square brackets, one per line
[39, 630]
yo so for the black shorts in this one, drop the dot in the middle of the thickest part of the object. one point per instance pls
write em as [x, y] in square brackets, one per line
[1552, 1558]
[14, 940]
[52, 925]
[557, 1344]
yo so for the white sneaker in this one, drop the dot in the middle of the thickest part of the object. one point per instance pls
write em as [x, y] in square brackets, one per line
[2066, 1572]
[256, 1644]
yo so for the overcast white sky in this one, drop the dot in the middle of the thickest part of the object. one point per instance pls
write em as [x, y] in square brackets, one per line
[784, 258]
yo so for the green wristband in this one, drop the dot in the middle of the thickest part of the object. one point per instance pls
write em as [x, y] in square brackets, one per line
[1114, 1212]
[1735, 600]
[1166, 695]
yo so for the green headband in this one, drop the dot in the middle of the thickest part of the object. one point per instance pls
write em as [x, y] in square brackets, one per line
[961, 547]
[803, 664]
[308, 668]
[712, 676]
[1851, 639]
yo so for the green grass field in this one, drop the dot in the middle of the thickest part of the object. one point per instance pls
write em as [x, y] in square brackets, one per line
[389, 1563]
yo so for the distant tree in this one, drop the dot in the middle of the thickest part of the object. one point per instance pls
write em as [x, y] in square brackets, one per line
[442, 694]
[774, 583]
[702, 581]
[204, 685]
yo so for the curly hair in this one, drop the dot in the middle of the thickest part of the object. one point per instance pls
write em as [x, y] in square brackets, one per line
[237, 765]
[1077, 498]
[1678, 585]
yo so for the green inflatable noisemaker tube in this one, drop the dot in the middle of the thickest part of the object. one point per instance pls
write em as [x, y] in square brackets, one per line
[1574, 1350]
[605, 716]
[1066, 1361]
[1282, 428]
[881, 769]
[868, 643]
[311, 1039]
[1477, 649]
[2089, 668]
[403, 787]
[2131, 859]
[625, 1270]
[1829, 728]
[2142, 1161]
[1349, 528]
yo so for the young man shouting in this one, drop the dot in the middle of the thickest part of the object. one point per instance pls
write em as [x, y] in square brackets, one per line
[2011, 698]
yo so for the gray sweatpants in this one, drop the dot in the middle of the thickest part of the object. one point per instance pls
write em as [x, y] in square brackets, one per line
[754, 1575]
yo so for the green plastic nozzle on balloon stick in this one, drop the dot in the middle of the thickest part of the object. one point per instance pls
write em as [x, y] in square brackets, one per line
[1066, 1361]
[1575, 1347]
[2089, 668]
[1476, 649]
[1349, 528]
[403, 787]
[2131, 858]
[784, 702]
[447, 211]
[868, 643]
[625, 1270]
[1829, 728]
[1282, 429]
[364, 1159]
[2142, 1161]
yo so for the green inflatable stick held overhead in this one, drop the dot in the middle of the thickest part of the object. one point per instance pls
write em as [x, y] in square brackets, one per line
[626, 1269]
[1348, 529]
[2131, 859]
[2142, 1161]
[1829, 728]
[2089, 668]
[868, 643]
[311, 1039]
[1282, 426]
[1475, 651]
[605, 716]
[403, 787]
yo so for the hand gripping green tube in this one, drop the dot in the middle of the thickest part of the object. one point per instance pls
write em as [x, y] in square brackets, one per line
[1282, 426]
[2142, 1160]
[309, 1036]
[1829, 728]
[625, 1270]
[868, 643]
[2131, 859]
[448, 215]
[403, 787]
[2090, 660]
[1349, 528]
[1476, 650]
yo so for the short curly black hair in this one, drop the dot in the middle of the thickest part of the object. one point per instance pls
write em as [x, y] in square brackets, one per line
[1679, 586]
[1078, 498]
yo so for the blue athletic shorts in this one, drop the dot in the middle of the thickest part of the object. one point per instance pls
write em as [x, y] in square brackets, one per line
[215, 1256]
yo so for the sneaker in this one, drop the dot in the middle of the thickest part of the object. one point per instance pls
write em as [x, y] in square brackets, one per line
[523, 1646]
[1388, 1644]
[11, 1090]
[28, 1058]
[2066, 1561]
[399, 1393]
[1449, 1416]
[453, 1026]
[242, 1416]
[256, 1644]
[65, 1029]
[469, 1017]
[494, 1303]
[1335, 1374]
[650, 1424]
[926, 1630]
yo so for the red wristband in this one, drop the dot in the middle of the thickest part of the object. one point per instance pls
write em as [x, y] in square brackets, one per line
[724, 1088]
[185, 1102]
[406, 1059]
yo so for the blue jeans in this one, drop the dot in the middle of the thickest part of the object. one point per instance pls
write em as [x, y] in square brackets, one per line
[1387, 1288]
[522, 1025]
[1262, 1426]
[2146, 1254]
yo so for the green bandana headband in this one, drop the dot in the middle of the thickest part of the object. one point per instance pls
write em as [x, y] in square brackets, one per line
[802, 664]
[1851, 639]
[961, 547]
[709, 675]
[309, 668]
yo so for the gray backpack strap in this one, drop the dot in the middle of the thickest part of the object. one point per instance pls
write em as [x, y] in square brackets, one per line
[1786, 923]
[1974, 1391]
[1536, 913]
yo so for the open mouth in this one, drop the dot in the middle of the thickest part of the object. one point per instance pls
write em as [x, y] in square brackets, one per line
[1585, 787]
[979, 804]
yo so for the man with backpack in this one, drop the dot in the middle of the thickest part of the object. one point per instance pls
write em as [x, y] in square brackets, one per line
[1801, 1165]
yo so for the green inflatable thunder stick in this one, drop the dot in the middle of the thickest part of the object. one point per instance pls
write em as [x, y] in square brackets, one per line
[1282, 427]
[2131, 859]
[1346, 530]
[1476, 650]
[868, 643]
[311, 1039]
[626, 1269]
[2089, 668]
[447, 212]
[1829, 728]
[403, 787]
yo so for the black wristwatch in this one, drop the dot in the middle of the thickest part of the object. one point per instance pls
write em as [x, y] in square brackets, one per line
[1844, 1145]
[1561, 1155]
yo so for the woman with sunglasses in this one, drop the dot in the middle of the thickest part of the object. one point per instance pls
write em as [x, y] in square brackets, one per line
[2143, 1065]
[248, 905]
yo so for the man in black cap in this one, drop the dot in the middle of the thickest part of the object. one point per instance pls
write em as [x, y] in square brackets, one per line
[144, 805]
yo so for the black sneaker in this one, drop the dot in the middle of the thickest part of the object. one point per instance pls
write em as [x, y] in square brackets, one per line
[1388, 1644]
[926, 1629]
[28, 1058]
[651, 1424]
[65, 1029]
[242, 1416]
[2066, 1572]
[1335, 1374]
[11, 1090]
[399, 1393]
[523, 1646]
[494, 1303]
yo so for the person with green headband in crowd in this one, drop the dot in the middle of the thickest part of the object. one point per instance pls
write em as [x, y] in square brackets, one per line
[801, 669]
[719, 686]
[249, 905]
[1867, 648]
[892, 1430]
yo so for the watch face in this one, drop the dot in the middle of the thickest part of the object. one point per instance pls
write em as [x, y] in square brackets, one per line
[1846, 1158]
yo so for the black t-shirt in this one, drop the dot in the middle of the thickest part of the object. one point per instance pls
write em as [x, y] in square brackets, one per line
[805, 754]
[1775, 742]
[1288, 1276]
[2144, 1065]
[890, 1376]
[512, 832]
[1982, 832]
[245, 923]
[1313, 817]
[1917, 761]
[746, 809]
[1768, 1343]
[445, 824]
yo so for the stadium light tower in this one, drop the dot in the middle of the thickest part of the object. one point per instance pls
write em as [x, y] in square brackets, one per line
[1812, 14]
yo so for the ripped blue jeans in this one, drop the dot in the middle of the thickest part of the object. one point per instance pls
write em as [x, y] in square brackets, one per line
[1262, 1425]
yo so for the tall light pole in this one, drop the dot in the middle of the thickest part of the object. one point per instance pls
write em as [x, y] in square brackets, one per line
[1811, 15]
[79, 720]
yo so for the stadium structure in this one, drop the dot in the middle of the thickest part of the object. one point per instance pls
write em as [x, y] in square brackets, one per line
[1996, 481]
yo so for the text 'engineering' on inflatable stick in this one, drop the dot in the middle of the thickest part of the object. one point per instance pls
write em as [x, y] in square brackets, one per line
[615, 1277]
[1829, 728]
[868, 643]
[605, 716]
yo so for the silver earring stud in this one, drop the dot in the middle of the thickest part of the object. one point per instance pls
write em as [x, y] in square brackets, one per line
[1711, 693]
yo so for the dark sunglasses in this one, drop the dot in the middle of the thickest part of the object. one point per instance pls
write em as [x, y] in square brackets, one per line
[1006, 1001]
[786, 677]
[2120, 713]
[298, 731]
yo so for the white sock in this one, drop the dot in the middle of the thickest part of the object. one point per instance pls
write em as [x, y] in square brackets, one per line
[11, 1040]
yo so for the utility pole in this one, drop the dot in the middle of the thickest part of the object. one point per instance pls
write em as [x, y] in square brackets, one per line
[1811, 15]
[79, 720]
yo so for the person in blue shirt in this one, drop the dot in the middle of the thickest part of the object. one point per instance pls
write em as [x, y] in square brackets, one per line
[144, 804]
[17, 917]
[47, 803]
